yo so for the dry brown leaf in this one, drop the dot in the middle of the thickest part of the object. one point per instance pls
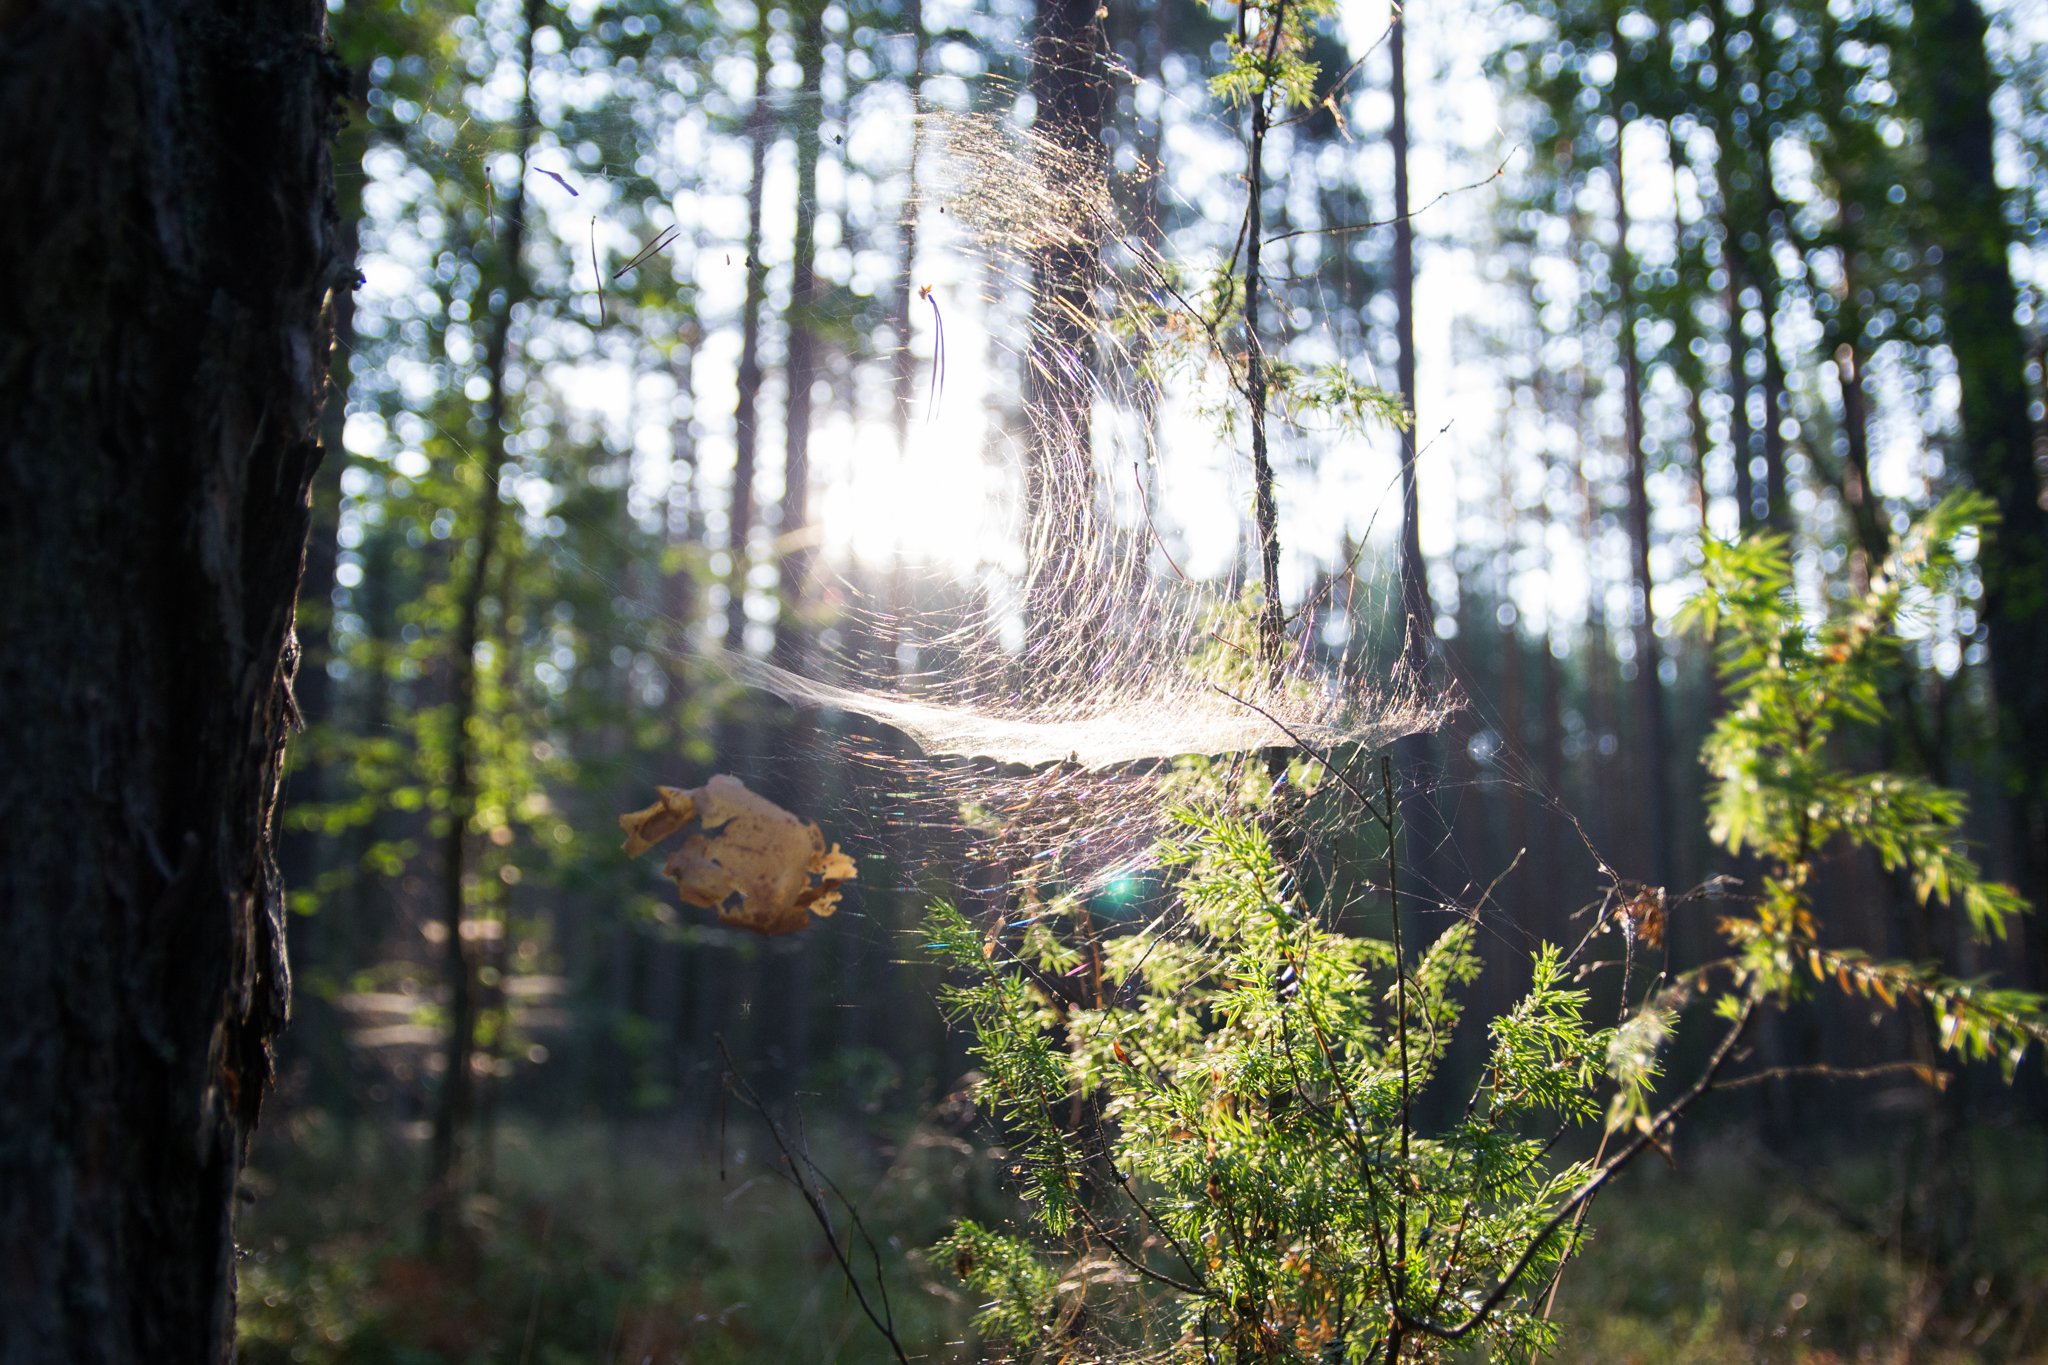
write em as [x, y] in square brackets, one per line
[757, 865]
[1642, 914]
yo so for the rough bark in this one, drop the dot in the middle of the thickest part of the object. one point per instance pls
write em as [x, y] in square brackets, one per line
[167, 250]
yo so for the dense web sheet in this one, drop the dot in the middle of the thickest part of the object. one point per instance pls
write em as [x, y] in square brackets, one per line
[1158, 724]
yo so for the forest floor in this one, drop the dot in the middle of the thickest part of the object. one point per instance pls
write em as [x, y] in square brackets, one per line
[602, 1243]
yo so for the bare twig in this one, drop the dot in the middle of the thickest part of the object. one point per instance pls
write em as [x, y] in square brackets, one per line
[805, 1175]
[662, 240]
[938, 385]
[1647, 1138]
[1919, 1071]
[1352, 229]
[1336, 87]
[1387, 823]
[1152, 526]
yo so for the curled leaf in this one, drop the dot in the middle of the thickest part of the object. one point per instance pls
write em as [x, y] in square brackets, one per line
[646, 828]
[1642, 914]
[757, 865]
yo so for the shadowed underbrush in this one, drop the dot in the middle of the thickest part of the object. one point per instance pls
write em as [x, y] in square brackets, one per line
[626, 1246]
[595, 1245]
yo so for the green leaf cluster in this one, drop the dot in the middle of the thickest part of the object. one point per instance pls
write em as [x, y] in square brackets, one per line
[1221, 1108]
[1269, 54]
[1785, 789]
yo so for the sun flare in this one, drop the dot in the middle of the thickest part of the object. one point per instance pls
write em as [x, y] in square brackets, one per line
[937, 500]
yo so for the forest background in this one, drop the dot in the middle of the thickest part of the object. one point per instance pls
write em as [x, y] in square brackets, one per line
[689, 329]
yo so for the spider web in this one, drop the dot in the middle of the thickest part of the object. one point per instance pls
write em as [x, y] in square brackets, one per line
[1120, 677]
[1048, 690]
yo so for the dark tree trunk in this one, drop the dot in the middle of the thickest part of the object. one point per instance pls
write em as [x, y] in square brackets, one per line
[1740, 441]
[802, 367]
[1070, 89]
[1418, 614]
[1873, 537]
[1777, 496]
[1415, 754]
[1652, 729]
[747, 408]
[1978, 302]
[168, 247]
[906, 238]
[786, 976]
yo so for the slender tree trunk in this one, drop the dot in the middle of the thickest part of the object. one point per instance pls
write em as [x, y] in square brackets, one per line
[746, 435]
[684, 524]
[1652, 728]
[1418, 614]
[168, 249]
[786, 973]
[1777, 500]
[1547, 872]
[1741, 437]
[1265, 508]
[1873, 537]
[802, 364]
[1599, 665]
[454, 1106]
[906, 237]
[1737, 207]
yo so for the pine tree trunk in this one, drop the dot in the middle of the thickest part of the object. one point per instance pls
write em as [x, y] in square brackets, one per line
[168, 248]
[906, 238]
[1777, 497]
[1070, 89]
[1414, 754]
[794, 781]
[1978, 301]
[1740, 439]
[747, 406]
[1652, 747]
[1419, 615]
[802, 366]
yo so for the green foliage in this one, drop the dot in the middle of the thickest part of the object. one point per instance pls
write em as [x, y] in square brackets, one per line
[1334, 392]
[1269, 58]
[1017, 1287]
[1784, 792]
[1227, 1108]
